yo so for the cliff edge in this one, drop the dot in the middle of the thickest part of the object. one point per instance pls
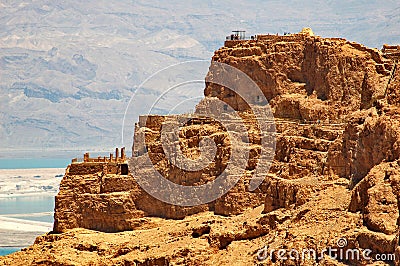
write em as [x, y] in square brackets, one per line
[334, 176]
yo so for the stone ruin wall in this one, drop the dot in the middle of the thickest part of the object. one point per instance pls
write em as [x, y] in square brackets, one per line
[334, 106]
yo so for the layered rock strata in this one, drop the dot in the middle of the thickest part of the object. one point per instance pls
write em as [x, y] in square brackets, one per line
[335, 171]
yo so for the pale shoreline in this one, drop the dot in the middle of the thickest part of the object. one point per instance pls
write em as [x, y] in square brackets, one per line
[20, 229]
[27, 194]
[14, 224]
[34, 182]
[31, 170]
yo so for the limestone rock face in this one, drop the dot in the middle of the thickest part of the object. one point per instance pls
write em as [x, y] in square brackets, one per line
[209, 239]
[335, 171]
[305, 76]
[376, 197]
[370, 138]
[96, 200]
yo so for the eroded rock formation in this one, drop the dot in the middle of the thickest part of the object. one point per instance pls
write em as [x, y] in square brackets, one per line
[335, 172]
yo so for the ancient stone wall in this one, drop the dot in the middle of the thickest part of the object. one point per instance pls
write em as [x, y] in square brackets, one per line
[335, 171]
[335, 105]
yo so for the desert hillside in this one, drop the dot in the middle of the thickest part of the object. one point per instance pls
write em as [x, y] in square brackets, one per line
[331, 186]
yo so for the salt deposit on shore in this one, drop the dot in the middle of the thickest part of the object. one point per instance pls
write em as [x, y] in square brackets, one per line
[7, 223]
[20, 229]
[30, 182]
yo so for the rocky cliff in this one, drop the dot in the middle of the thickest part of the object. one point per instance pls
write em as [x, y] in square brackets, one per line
[334, 175]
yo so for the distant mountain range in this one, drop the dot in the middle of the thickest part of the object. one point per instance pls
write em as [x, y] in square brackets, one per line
[68, 70]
